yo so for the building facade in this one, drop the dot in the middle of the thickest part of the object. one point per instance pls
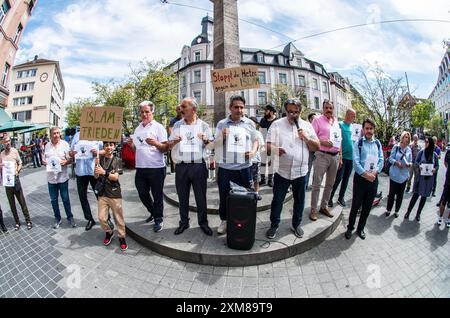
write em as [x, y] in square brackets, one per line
[37, 92]
[341, 93]
[303, 77]
[14, 16]
[440, 96]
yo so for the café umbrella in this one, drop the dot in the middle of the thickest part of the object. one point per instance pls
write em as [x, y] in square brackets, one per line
[14, 125]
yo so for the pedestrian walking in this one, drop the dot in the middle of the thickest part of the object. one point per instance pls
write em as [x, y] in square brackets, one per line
[413, 171]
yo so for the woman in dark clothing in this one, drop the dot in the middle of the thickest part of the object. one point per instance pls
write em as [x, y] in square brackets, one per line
[424, 184]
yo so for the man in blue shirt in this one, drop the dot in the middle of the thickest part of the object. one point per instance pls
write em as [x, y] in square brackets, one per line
[367, 163]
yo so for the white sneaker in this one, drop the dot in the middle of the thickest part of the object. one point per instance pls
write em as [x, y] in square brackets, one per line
[222, 229]
[440, 220]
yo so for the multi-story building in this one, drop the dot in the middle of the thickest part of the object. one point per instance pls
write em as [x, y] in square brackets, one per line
[14, 16]
[440, 96]
[37, 92]
[290, 67]
[341, 93]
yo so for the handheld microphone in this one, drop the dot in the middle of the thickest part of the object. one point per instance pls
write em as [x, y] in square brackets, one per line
[296, 124]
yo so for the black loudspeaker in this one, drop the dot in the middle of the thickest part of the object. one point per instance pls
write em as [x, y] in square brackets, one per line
[241, 220]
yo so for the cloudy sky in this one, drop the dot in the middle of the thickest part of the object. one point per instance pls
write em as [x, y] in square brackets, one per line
[97, 40]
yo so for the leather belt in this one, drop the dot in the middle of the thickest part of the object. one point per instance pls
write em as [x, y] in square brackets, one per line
[329, 153]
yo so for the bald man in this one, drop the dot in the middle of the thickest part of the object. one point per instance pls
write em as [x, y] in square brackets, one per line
[346, 159]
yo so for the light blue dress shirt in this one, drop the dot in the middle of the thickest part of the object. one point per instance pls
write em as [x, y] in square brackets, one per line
[369, 148]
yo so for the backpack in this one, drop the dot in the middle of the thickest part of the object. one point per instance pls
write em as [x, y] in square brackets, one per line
[388, 163]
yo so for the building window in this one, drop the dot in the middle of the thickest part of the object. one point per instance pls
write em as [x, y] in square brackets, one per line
[198, 96]
[4, 8]
[324, 87]
[185, 61]
[23, 101]
[183, 81]
[317, 102]
[299, 62]
[262, 77]
[197, 76]
[262, 98]
[24, 87]
[22, 116]
[283, 78]
[31, 5]
[197, 56]
[27, 73]
[260, 58]
[5, 74]
[316, 84]
[301, 80]
[18, 33]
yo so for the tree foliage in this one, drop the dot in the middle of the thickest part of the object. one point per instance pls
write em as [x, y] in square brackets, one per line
[148, 81]
[422, 114]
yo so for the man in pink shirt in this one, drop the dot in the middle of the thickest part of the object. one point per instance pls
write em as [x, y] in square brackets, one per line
[326, 159]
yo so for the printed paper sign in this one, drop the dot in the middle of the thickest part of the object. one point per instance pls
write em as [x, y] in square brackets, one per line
[356, 132]
[83, 149]
[236, 140]
[54, 165]
[140, 141]
[371, 164]
[336, 135]
[9, 173]
[235, 79]
[189, 138]
[426, 169]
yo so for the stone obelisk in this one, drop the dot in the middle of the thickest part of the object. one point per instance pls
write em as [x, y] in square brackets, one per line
[226, 47]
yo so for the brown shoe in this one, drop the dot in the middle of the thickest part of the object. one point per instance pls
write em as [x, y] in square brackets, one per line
[326, 212]
[313, 215]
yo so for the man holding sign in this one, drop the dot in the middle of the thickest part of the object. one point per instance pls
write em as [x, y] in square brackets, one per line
[11, 165]
[57, 160]
[368, 163]
[189, 138]
[346, 160]
[326, 159]
[235, 143]
[150, 144]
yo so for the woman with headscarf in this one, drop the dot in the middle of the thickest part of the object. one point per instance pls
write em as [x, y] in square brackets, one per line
[424, 184]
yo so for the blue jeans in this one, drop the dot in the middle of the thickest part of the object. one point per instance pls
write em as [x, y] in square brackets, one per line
[280, 189]
[241, 177]
[63, 189]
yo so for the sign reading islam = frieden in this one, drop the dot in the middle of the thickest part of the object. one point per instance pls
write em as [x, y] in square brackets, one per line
[101, 123]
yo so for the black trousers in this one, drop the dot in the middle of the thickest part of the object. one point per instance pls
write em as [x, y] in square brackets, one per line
[413, 201]
[151, 179]
[395, 189]
[1, 216]
[343, 174]
[82, 187]
[364, 193]
[195, 174]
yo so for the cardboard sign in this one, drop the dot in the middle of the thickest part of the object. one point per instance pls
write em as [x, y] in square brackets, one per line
[101, 123]
[235, 79]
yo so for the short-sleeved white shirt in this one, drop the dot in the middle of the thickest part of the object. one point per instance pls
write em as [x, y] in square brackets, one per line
[60, 150]
[150, 157]
[293, 164]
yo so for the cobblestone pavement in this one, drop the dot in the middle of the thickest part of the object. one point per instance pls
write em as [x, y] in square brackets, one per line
[398, 259]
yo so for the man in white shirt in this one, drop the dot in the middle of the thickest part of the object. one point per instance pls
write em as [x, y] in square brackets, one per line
[150, 144]
[58, 159]
[189, 137]
[290, 140]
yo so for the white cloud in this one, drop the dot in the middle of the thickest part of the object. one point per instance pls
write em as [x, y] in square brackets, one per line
[98, 39]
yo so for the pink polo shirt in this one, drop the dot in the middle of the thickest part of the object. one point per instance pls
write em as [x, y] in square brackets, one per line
[322, 127]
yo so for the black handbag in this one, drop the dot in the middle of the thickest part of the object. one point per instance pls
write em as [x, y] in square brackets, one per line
[99, 188]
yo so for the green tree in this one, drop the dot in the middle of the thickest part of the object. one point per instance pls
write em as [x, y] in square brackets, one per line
[422, 114]
[435, 126]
